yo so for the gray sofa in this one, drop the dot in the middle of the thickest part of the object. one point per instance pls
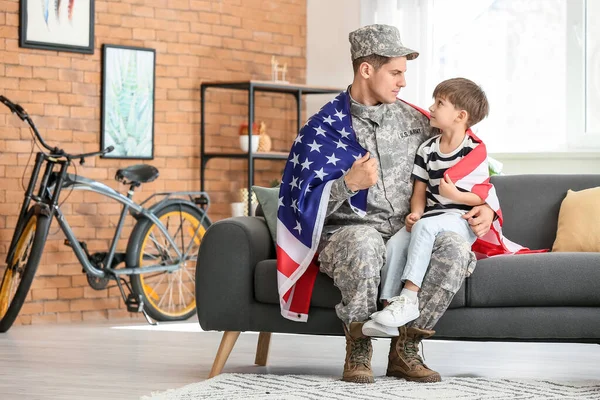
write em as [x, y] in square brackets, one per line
[537, 297]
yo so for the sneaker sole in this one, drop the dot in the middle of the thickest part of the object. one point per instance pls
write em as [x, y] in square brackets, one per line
[395, 324]
[372, 332]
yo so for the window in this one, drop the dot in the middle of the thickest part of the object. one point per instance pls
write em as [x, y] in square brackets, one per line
[537, 60]
[593, 68]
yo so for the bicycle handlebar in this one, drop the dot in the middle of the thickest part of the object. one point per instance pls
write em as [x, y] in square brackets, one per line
[22, 114]
[15, 108]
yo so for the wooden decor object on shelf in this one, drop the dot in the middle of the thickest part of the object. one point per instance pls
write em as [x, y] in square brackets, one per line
[265, 144]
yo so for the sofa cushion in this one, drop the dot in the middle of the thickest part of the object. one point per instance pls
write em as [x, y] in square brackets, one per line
[530, 205]
[578, 227]
[268, 200]
[536, 280]
[325, 294]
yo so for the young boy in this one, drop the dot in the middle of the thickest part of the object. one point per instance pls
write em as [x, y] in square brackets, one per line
[437, 205]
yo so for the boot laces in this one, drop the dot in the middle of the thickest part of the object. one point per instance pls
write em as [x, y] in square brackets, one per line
[360, 351]
[411, 349]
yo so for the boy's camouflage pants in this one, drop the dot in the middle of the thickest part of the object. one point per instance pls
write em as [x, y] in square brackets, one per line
[354, 255]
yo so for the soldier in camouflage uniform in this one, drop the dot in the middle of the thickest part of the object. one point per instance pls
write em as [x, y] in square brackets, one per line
[353, 248]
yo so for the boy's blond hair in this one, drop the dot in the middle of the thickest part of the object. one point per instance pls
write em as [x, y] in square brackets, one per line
[465, 95]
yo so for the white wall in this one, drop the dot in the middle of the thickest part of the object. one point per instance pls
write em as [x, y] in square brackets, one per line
[328, 64]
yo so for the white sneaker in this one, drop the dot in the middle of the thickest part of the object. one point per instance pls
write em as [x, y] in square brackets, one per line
[399, 312]
[372, 328]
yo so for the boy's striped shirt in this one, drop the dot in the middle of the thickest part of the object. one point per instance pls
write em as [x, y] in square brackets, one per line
[431, 165]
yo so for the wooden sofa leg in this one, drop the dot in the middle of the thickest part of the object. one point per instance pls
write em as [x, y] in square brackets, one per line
[262, 348]
[227, 342]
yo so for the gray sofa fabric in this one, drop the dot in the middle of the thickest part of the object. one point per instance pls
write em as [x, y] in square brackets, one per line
[265, 288]
[536, 280]
[546, 324]
[530, 205]
[545, 297]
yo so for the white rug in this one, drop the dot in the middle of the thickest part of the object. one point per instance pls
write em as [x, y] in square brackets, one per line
[306, 387]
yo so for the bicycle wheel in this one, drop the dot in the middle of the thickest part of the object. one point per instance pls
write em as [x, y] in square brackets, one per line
[21, 269]
[167, 296]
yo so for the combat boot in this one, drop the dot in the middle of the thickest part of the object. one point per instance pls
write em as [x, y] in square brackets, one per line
[404, 360]
[359, 350]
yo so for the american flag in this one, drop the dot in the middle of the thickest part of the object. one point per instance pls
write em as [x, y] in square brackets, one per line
[471, 173]
[323, 151]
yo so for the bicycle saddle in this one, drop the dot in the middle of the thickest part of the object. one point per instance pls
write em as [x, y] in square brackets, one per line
[136, 174]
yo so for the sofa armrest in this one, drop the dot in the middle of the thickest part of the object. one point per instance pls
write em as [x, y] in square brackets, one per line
[228, 254]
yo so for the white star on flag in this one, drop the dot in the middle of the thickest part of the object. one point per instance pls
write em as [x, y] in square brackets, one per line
[314, 146]
[344, 133]
[319, 130]
[329, 120]
[298, 227]
[295, 205]
[340, 144]
[294, 182]
[339, 114]
[295, 160]
[332, 159]
[298, 139]
[306, 164]
[280, 202]
[321, 174]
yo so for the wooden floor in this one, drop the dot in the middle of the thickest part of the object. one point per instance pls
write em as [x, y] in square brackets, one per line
[83, 361]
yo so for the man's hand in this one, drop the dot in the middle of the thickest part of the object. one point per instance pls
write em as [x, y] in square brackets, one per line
[448, 189]
[363, 174]
[480, 218]
[411, 219]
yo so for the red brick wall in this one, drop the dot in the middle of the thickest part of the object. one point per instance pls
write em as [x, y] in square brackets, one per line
[195, 41]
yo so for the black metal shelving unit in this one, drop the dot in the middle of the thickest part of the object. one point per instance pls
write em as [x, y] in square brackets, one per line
[252, 87]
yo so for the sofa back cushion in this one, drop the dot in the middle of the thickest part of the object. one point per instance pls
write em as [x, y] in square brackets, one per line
[530, 204]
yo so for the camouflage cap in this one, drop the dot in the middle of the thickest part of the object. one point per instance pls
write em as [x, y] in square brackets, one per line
[383, 40]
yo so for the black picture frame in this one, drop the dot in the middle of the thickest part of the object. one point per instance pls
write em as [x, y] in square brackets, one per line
[126, 83]
[57, 25]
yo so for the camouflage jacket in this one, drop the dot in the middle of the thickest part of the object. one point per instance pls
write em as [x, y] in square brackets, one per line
[391, 133]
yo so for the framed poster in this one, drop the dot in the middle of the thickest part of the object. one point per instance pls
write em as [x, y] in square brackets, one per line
[61, 25]
[128, 79]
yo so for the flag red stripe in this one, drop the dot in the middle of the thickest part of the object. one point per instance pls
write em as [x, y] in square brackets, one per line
[285, 265]
[482, 189]
[304, 288]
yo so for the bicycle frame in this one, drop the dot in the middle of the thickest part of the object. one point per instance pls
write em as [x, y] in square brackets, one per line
[48, 198]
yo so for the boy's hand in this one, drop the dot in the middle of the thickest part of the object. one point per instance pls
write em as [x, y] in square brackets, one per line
[448, 189]
[411, 219]
[363, 173]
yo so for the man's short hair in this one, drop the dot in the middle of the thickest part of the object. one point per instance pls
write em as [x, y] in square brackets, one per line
[465, 95]
[375, 60]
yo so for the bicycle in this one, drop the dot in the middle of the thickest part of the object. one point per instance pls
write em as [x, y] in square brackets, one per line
[161, 253]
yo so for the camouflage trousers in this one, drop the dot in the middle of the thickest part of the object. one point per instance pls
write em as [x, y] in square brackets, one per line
[353, 257]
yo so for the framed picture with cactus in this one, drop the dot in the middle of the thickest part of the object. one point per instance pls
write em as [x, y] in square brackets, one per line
[128, 80]
[59, 25]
